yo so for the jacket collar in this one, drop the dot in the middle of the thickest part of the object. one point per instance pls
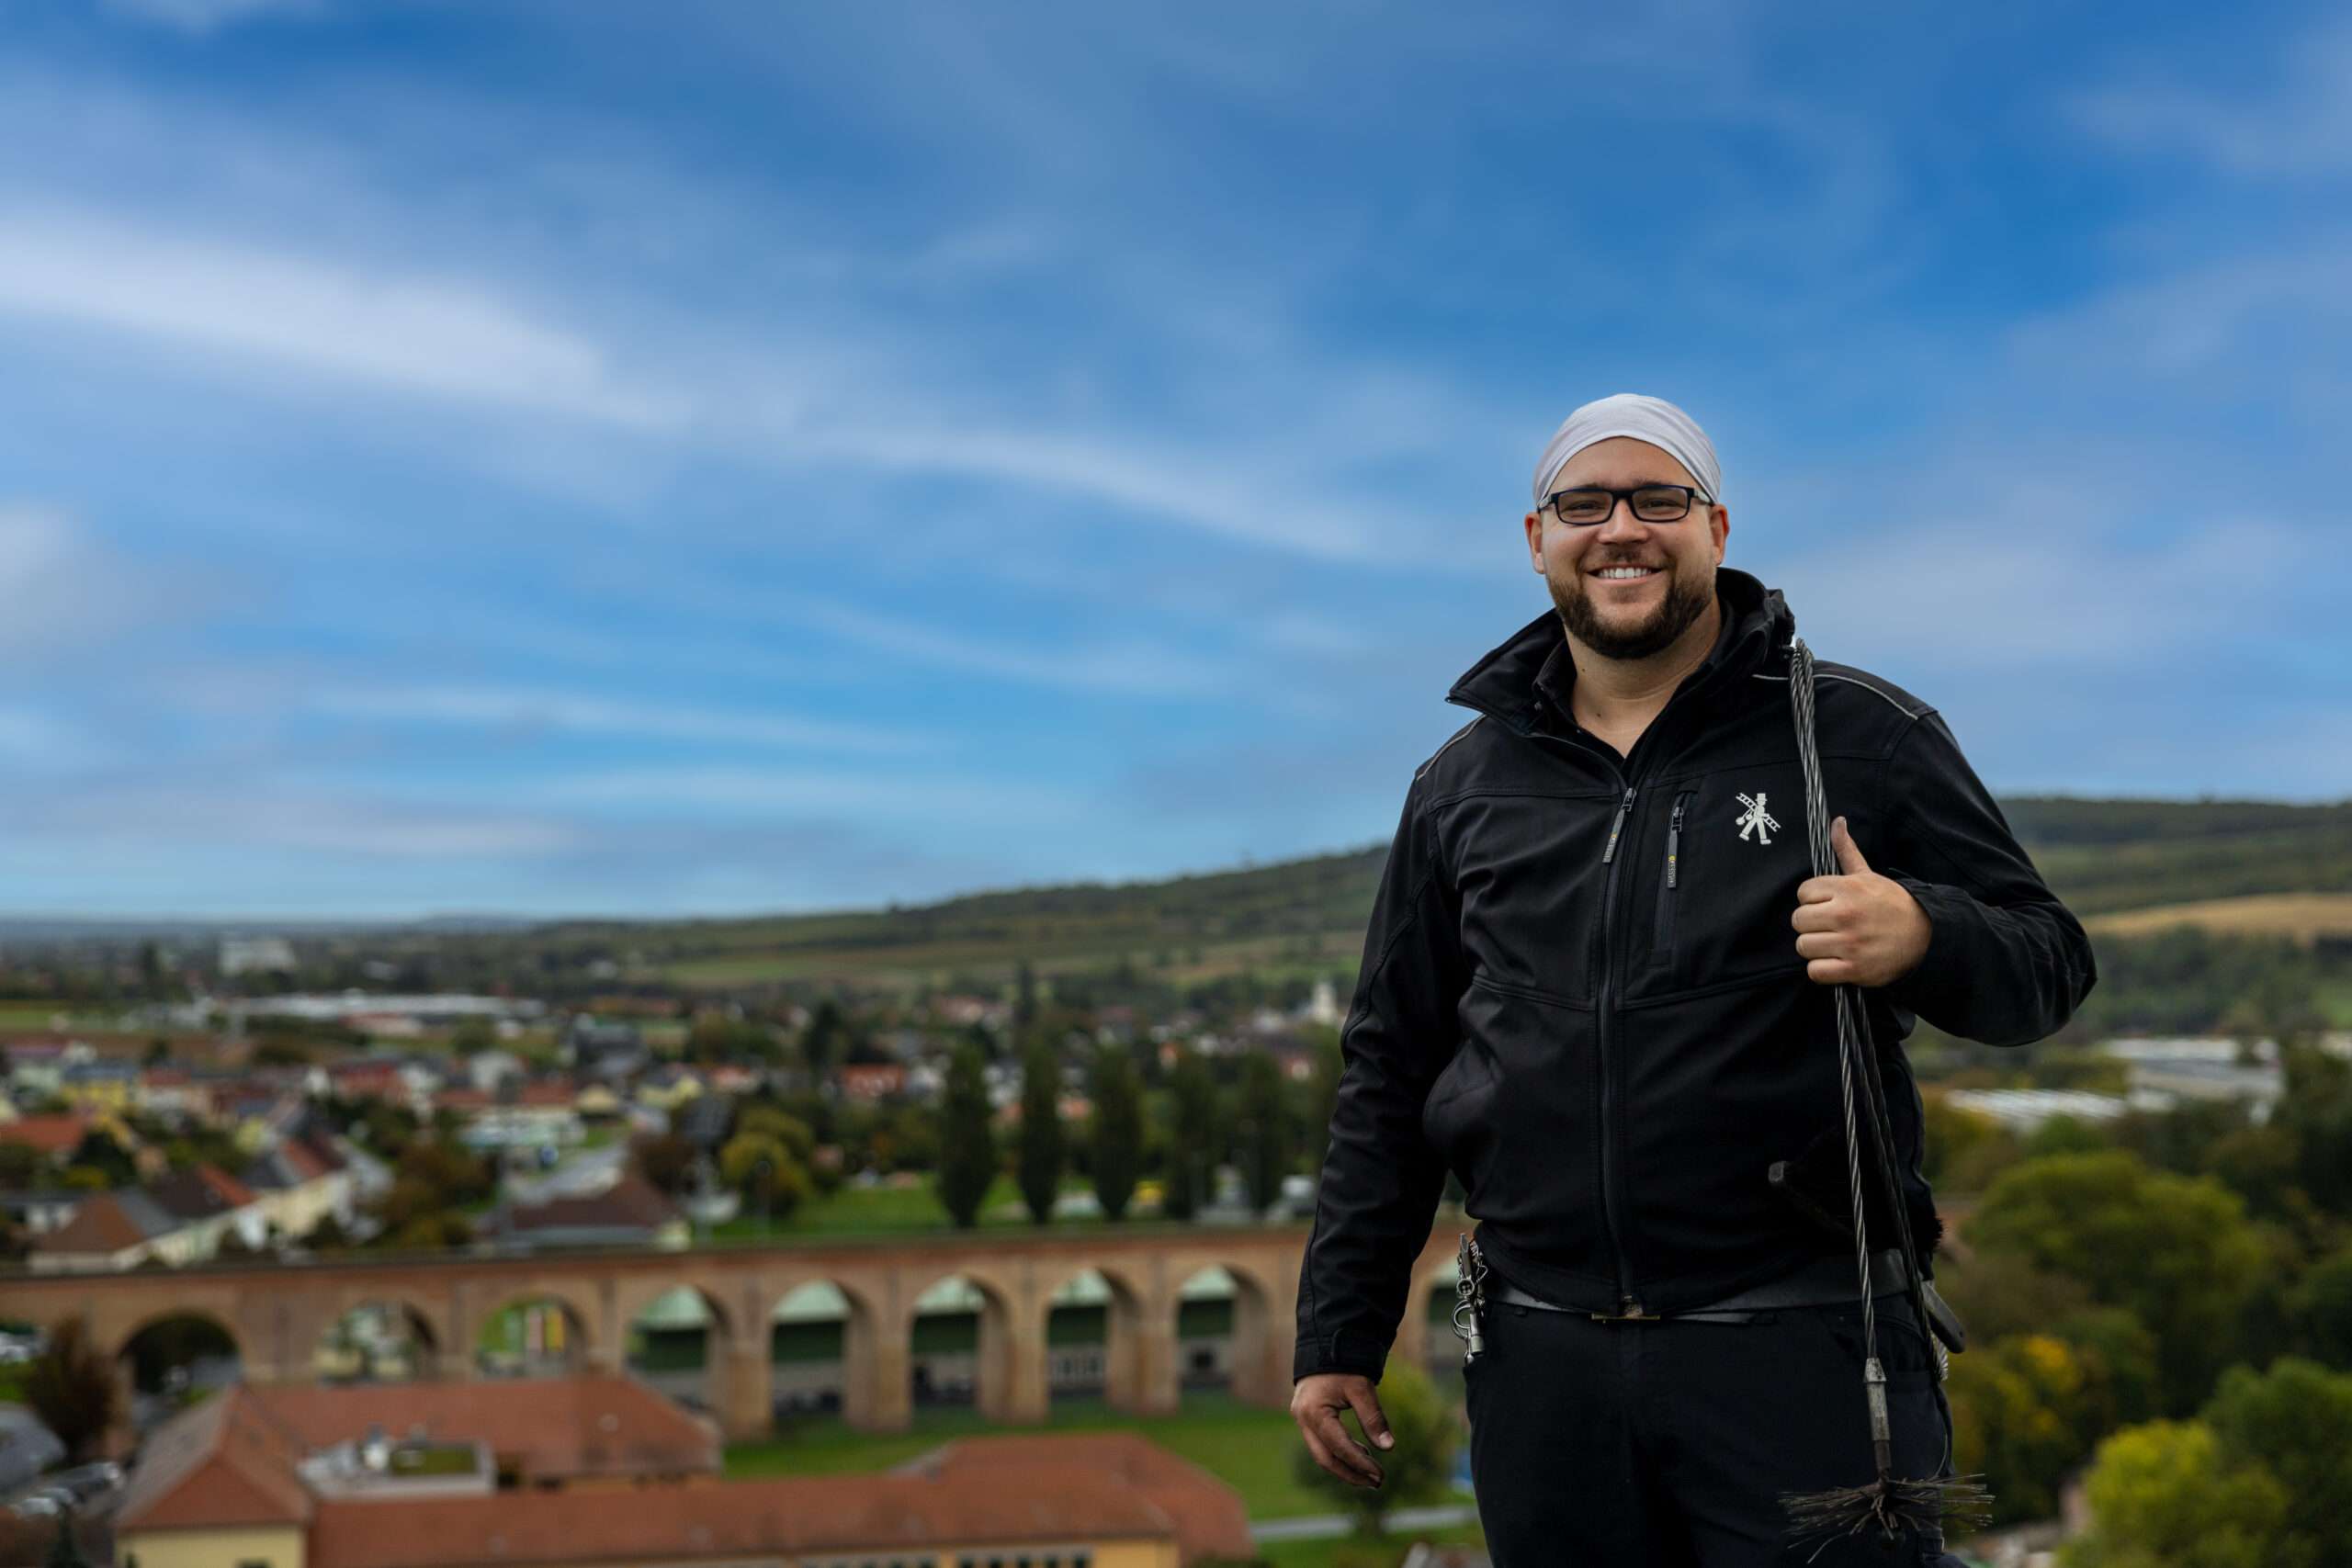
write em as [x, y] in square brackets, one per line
[1533, 669]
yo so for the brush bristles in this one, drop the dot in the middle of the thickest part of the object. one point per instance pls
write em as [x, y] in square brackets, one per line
[1887, 1507]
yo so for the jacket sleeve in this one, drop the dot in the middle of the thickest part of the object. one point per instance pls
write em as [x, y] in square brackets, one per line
[1381, 1179]
[2007, 964]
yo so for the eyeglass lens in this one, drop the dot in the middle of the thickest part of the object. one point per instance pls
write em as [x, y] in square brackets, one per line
[1664, 504]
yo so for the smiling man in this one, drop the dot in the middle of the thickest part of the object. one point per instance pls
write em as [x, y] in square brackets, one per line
[1596, 989]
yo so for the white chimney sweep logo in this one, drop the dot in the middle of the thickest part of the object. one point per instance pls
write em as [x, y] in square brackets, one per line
[1757, 821]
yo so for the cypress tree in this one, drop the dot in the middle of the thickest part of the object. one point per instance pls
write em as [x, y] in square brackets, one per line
[967, 1151]
[1192, 1162]
[1262, 1121]
[1118, 1130]
[1041, 1131]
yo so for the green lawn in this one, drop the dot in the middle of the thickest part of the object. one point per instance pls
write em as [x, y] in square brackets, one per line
[1343, 1552]
[854, 1211]
[1246, 1446]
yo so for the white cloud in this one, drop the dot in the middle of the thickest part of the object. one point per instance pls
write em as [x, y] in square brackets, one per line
[410, 334]
[508, 708]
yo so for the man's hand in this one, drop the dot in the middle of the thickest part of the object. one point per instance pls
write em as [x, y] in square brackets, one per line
[1315, 1405]
[1857, 928]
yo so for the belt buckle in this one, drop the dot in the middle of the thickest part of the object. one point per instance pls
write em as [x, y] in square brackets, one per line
[1629, 1311]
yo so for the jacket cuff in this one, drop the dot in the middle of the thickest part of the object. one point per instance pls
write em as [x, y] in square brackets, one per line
[1941, 972]
[1338, 1351]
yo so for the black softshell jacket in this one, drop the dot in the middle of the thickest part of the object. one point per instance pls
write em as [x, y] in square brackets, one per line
[1581, 991]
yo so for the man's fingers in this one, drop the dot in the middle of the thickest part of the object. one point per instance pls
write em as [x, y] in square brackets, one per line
[1850, 855]
[1340, 1454]
[1817, 889]
[1832, 972]
[1369, 1415]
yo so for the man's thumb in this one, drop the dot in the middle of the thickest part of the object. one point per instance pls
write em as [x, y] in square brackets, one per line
[1850, 855]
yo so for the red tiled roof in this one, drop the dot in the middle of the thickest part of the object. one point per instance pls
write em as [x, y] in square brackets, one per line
[224, 1463]
[561, 1427]
[100, 1225]
[50, 1134]
[202, 1193]
[843, 1513]
[631, 1201]
[1209, 1515]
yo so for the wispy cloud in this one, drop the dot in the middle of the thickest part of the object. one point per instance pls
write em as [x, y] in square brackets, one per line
[284, 308]
[527, 712]
[2298, 125]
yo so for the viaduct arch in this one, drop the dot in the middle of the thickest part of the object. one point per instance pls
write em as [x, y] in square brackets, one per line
[276, 1311]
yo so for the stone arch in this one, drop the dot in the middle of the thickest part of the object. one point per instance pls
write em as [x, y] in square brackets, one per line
[870, 1386]
[377, 1336]
[1245, 1361]
[1136, 1371]
[506, 1345]
[989, 1375]
[170, 1354]
[676, 1340]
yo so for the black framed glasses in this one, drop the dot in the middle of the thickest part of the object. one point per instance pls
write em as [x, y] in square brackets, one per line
[1589, 504]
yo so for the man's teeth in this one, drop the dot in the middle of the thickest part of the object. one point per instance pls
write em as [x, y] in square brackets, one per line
[1615, 571]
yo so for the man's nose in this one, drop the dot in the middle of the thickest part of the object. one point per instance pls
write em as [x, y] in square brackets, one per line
[1621, 526]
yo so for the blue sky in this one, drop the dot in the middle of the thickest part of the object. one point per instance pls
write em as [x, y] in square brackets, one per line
[694, 457]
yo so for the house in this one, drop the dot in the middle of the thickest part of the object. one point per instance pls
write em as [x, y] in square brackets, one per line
[303, 1181]
[174, 1093]
[104, 1083]
[630, 1212]
[36, 1067]
[211, 1206]
[185, 1219]
[605, 1472]
[869, 1081]
[111, 1231]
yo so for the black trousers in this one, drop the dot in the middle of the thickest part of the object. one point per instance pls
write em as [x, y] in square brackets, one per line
[1668, 1445]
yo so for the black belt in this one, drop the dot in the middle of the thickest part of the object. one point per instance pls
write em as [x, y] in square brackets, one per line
[1824, 1281]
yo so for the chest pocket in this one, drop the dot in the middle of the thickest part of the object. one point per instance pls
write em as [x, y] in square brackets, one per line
[1726, 859]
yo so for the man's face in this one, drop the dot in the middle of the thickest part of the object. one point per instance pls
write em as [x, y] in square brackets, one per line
[1628, 589]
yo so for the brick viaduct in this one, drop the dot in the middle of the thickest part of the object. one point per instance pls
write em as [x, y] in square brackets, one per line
[276, 1312]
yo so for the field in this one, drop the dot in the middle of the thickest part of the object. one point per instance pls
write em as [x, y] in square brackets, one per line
[2303, 917]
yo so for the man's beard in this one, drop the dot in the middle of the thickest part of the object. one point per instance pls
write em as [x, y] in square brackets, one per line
[1686, 598]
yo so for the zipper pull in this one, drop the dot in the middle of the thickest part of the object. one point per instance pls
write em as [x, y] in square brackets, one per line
[1673, 842]
[1618, 826]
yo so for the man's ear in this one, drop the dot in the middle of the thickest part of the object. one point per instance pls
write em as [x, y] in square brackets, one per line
[1535, 543]
[1719, 524]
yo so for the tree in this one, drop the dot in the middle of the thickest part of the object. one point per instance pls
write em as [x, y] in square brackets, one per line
[2324, 1306]
[761, 1166]
[99, 1151]
[2163, 1496]
[1418, 1469]
[1118, 1130]
[1261, 1128]
[2175, 1250]
[1329, 1064]
[1191, 1152]
[664, 1159]
[71, 1388]
[1040, 1170]
[821, 1043]
[2295, 1422]
[966, 1149]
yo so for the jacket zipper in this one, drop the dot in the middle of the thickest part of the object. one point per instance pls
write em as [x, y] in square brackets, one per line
[1627, 1306]
[1662, 937]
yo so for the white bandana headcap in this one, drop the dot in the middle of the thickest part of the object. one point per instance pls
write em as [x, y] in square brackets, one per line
[1652, 420]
